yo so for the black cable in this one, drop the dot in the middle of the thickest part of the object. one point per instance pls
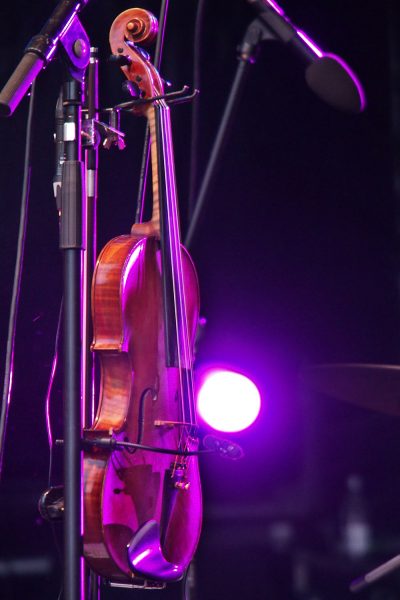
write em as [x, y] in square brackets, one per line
[213, 444]
[140, 420]
[114, 444]
[19, 260]
[195, 123]
[49, 390]
[54, 363]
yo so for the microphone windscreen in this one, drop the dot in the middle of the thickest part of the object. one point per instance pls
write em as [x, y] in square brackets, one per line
[334, 82]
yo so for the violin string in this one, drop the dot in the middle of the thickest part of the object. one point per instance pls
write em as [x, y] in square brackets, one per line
[156, 140]
[159, 114]
[180, 298]
[189, 351]
[180, 310]
[183, 323]
[157, 137]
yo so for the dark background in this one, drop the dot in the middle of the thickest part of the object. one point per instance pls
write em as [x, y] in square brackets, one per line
[298, 262]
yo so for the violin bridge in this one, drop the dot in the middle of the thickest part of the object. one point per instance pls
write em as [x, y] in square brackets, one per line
[182, 485]
[171, 424]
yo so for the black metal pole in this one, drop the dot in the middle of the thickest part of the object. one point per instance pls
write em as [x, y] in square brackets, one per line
[72, 417]
[71, 244]
[91, 163]
[216, 151]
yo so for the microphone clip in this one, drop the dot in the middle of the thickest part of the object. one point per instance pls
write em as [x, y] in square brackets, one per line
[223, 447]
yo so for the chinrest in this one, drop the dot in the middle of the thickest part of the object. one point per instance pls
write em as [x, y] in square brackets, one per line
[145, 556]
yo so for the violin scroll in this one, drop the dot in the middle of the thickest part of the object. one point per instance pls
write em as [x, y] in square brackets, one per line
[137, 25]
[132, 27]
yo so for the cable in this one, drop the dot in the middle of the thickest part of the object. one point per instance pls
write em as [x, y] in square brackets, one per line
[49, 430]
[49, 390]
[12, 323]
[114, 444]
[194, 133]
[140, 420]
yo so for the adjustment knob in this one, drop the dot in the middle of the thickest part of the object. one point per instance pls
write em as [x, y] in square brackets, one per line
[121, 60]
[131, 88]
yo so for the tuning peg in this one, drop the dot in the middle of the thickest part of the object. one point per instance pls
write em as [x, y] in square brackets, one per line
[131, 88]
[144, 54]
[121, 60]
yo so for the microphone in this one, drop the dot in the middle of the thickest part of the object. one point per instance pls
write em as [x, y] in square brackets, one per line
[327, 75]
[225, 448]
[40, 51]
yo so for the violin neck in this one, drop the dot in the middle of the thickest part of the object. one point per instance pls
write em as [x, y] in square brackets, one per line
[165, 199]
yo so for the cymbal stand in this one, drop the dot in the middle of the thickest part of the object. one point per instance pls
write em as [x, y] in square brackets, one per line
[256, 32]
[381, 571]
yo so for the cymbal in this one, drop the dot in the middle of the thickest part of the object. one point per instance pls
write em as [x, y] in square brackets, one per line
[374, 387]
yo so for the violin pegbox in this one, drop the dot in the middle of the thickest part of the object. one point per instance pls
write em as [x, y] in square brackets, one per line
[132, 28]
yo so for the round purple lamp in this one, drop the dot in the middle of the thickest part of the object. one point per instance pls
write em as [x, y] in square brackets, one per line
[228, 401]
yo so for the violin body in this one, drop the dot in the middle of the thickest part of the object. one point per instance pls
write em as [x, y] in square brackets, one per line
[125, 490]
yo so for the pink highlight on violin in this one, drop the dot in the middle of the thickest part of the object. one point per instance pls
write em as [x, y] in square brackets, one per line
[228, 401]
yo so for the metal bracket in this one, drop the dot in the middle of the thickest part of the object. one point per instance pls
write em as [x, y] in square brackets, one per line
[140, 584]
[177, 97]
[94, 132]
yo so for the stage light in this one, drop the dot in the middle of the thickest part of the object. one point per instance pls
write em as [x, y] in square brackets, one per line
[228, 401]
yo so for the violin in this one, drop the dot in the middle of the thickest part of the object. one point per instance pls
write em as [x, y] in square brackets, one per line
[142, 503]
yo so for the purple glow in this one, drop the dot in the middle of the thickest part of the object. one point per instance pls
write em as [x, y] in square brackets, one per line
[312, 45]
[276, 7]
[228, 401]
[353, 76]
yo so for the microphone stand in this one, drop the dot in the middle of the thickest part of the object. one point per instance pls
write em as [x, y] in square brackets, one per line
[328, 76]
[71, 245]
[64, 29]
[256, 33]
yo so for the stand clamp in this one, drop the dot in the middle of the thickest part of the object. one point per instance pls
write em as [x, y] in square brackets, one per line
[94, 132]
